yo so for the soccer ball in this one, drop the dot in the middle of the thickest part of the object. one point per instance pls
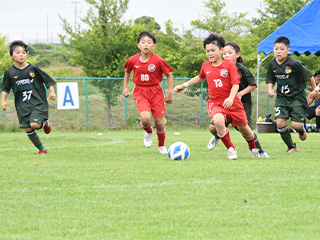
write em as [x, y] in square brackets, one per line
[178, 151]
[310, 127]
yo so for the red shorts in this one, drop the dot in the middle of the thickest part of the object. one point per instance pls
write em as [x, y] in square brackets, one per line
[150, 98]
[235, 114]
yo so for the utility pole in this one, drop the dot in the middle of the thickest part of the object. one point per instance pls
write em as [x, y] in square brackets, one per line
[75, 15]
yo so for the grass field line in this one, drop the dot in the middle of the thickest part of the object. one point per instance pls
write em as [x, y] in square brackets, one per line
[98, 144]
[164, 184]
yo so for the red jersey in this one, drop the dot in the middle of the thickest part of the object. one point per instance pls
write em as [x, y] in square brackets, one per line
[220, 79]
[148, 73]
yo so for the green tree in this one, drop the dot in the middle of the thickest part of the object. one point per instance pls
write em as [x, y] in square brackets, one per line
[231, 26]
[146, 20]
[5, 60]
[102, 48]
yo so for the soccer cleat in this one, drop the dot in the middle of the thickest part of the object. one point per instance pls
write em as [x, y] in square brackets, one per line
[213, 142]
[147, 139]
[263, 155]
[47, 127]
[254, 152]
[303, 136]
[232, 153]
[42, 151]
[163, 150]
[292, 149]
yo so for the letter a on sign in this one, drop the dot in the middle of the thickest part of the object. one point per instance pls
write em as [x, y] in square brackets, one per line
[68, 95]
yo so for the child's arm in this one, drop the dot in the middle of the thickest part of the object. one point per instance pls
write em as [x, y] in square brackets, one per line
[52, 94]
[168, 97]
[315, 93]
[191, 82]
[246, 90]
[310, 99]
[270, 90]
[228, 102]
[125, 85]
[4, 103]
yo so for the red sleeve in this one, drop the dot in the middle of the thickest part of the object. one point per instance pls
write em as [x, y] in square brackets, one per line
[165, 67]
[234, 75]
[129, 65]
[202, 73]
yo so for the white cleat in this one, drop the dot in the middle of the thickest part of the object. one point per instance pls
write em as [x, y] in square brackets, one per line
[147, 139]
[255, 152]
[263, 155]
[213, 142]
[232, 153]
[163, 150]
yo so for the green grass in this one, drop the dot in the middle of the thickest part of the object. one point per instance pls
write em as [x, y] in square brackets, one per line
[110, 186]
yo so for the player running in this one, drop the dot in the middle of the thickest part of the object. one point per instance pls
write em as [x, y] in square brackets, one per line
[224, 104]
[27, 82]
[148, 94]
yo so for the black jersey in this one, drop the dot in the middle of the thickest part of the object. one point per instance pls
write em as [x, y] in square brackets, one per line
[28, 86]
[290, 76]
[247, 79]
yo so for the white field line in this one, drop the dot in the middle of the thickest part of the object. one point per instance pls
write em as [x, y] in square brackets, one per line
[162, 184]
[99, 144]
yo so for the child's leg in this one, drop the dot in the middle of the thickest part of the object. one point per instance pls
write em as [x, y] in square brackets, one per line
[161, 130]
[34, 138]
[145, 121]
[299, 127]
[318, 117]
[222, 130]
[284, 132]
[146, 125]
[248, 136]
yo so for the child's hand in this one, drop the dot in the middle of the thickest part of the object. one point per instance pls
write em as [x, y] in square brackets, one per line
[52, 96]
[179, 88]
[168, 98]
[271, 93]
[228, 102]
[125, 92]
[315, 94]
[4, 105]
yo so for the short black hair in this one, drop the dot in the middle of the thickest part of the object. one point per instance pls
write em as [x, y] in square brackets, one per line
[283, 40]
[214, 39]
[15, 44]
[317, 73]
[148, 34]
[236, 48]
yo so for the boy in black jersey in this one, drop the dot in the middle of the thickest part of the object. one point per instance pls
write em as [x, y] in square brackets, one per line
[27, 82]
[291, 102]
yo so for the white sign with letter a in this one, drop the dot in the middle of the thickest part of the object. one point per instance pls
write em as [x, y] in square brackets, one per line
[68, 95]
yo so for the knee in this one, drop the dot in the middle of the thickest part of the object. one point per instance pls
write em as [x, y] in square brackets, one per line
[35, 125]
[212, 128]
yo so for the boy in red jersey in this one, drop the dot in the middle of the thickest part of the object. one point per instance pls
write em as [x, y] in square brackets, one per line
[224, 104]
[148, 94]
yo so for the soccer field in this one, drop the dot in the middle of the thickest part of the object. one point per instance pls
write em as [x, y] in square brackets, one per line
[109, 186]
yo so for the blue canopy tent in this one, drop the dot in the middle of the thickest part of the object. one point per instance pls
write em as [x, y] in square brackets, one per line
[303, 31]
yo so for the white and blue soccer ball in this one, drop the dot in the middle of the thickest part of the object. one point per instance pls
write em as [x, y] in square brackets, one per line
[178, 151]
[310, 127]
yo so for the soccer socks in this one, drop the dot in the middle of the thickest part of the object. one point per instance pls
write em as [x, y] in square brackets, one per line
[317, 122]
[251, 142]
[258, 143]
[215, 134]
[226, 139]
[33, 136]
[286, 136]
[161, 136]
[148, 129]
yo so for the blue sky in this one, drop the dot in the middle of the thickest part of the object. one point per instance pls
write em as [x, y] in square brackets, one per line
[38, 20]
